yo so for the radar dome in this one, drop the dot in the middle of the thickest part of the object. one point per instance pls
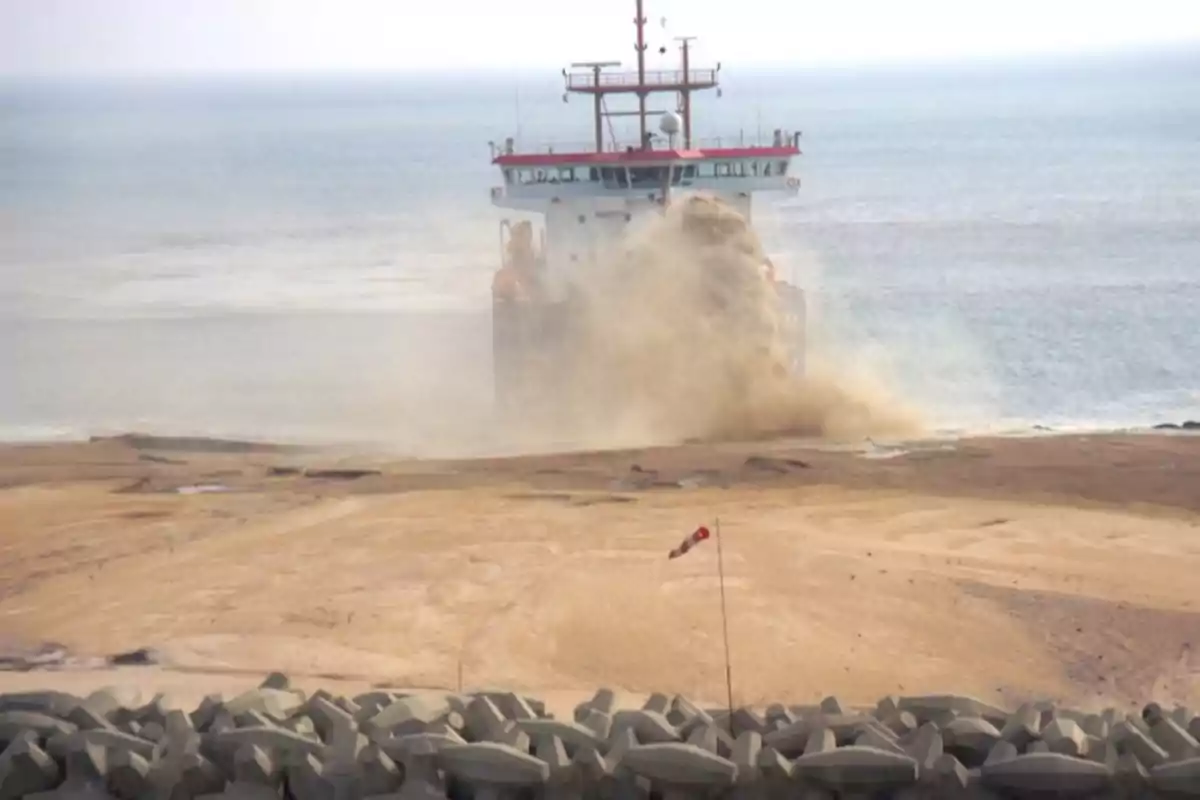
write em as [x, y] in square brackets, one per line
[670, 123]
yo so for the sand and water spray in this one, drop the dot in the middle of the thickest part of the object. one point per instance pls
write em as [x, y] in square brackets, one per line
[682, 337]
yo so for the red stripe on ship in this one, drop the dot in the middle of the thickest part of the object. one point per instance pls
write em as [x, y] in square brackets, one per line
[642, 156]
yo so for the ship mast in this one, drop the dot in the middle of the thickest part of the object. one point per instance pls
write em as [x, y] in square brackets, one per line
[640, 21]
[590, 79]
[597, 97]
[686, 93]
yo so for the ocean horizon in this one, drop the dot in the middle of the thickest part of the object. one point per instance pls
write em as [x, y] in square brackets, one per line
[302, 257]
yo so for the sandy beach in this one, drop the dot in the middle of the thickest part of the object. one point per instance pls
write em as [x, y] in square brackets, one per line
[1052, 566]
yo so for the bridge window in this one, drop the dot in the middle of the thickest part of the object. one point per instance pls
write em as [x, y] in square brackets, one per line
[615, 177]
[647, 176]
[781, 168]
[724, 170]
[566, 174]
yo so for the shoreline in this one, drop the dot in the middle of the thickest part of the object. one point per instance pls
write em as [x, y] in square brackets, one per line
[45, 436]
[947, 465]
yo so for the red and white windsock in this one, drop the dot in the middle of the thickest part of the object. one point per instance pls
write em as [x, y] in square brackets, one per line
[698, 536]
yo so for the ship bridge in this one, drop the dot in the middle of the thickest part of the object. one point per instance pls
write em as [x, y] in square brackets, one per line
[587, 192]
[606, 173]
[734, 169]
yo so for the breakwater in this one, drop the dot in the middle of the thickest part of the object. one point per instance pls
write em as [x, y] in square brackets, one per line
[276, 741]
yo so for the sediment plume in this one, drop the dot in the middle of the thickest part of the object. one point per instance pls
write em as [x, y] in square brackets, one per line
[683, 336]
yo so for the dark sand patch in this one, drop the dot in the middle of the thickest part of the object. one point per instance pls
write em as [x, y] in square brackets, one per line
[1111, 652]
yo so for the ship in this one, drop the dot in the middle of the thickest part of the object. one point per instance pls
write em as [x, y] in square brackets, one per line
[586, 197]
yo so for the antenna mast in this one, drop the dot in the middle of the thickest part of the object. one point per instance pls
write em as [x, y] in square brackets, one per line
[640, 21]
[597, 96]
[590, 80]
[686, 92]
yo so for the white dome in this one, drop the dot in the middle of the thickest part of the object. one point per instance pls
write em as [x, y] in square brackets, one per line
[670, 123]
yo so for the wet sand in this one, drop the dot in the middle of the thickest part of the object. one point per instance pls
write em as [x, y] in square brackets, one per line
[1054, 566]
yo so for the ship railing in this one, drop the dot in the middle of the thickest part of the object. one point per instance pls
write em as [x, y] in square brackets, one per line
[700, 78]
[780, 138]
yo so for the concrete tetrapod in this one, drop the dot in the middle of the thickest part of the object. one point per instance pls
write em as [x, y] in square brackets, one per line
[422, 778]
[680, 764]
[1174, 739]
[574, 735]
[1182, 777]
[492, 763]
[856, 769]
[1048, 772]
[14, 723]
[651, 727]
[87, 769]
[25, 769]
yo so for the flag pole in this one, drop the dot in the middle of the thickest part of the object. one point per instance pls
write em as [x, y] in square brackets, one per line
[725, 625]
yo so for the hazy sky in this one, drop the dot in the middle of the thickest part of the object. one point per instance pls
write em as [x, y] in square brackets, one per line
[87, 36]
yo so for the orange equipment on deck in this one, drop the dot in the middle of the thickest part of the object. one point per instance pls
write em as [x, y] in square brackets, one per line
[517, 279]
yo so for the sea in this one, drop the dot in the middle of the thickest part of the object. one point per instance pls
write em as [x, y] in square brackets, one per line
[1009, 245]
